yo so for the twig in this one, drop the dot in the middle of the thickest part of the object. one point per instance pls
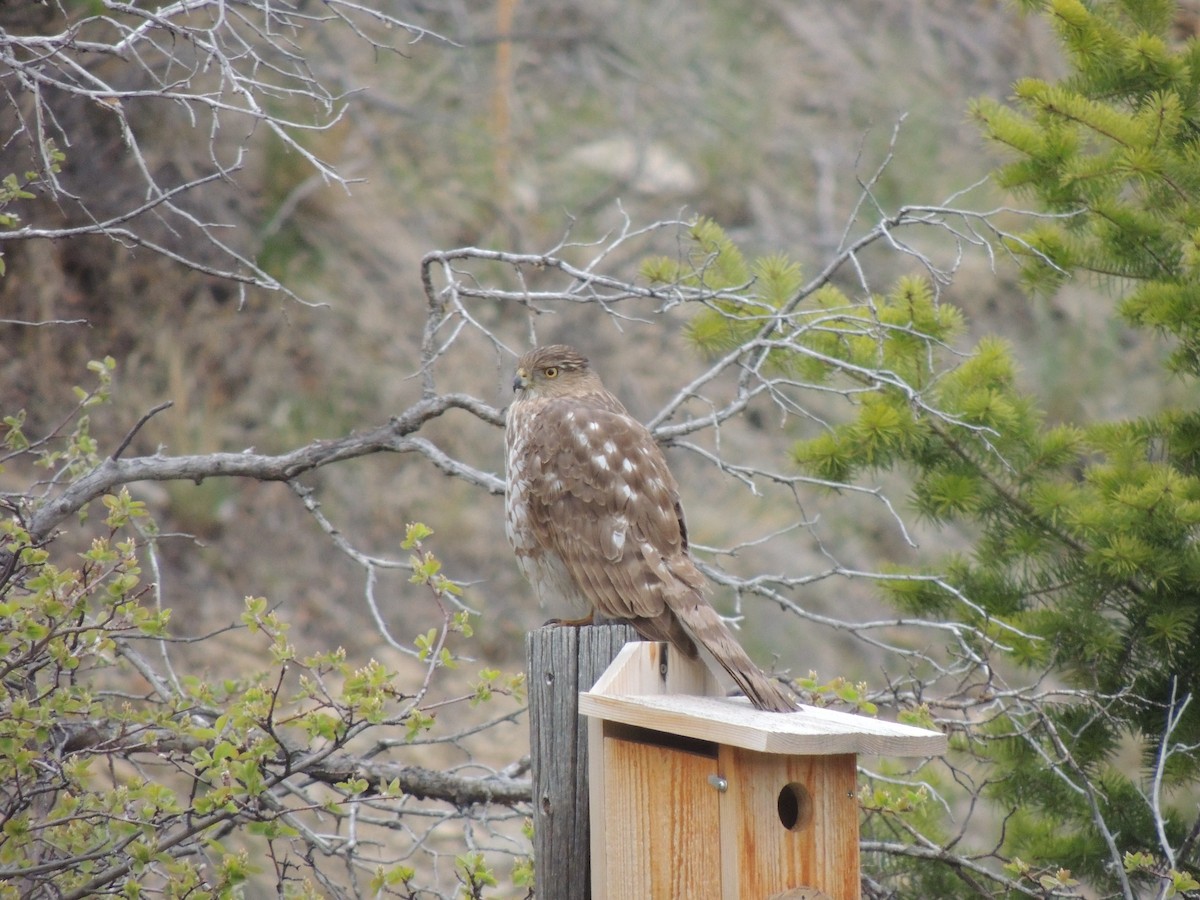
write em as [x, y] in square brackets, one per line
[138, 427]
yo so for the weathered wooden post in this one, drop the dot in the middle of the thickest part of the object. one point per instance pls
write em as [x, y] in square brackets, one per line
[561, 663]
[699, 796]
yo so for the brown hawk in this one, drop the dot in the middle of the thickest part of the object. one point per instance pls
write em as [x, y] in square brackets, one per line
[594, 516]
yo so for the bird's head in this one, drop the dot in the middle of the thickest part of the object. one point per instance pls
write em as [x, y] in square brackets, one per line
[554, 371]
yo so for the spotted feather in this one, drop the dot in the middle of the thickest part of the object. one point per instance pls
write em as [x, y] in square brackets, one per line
[593, 515]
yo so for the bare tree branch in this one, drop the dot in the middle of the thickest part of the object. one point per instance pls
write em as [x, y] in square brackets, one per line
[219, 69]
[393, 437]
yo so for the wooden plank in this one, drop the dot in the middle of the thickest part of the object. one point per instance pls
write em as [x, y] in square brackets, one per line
[733, 721]
[661, 826]
[639, 668]
[652, 667]
[561, 662]
[816, 847]
[631, 693]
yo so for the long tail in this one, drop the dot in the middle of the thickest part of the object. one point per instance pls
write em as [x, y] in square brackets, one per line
[705, 627]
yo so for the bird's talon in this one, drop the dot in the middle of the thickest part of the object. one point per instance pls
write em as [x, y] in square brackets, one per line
[569, 623]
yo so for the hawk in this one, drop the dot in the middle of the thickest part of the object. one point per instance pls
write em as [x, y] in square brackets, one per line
[594, 516]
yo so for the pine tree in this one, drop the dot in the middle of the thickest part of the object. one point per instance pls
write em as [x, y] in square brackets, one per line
[1086, 556]
[1106, 540]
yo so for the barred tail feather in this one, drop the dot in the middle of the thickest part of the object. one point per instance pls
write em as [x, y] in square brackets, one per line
[707, 629]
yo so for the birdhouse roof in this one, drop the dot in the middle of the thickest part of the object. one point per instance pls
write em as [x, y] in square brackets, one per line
[633, 692]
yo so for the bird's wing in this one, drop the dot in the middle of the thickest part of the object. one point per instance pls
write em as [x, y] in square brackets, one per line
[599, 496]
[602, 497]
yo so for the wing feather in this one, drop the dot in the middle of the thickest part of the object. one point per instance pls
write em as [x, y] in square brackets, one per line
[606, 505]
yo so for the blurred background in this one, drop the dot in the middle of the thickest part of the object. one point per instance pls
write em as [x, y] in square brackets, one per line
[764, 116]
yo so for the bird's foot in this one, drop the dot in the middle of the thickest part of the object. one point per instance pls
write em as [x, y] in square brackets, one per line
[570, 623]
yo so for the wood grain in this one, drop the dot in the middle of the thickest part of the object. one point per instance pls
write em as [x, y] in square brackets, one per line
[561, 662]
[702, 796]
[653, 852]
[631, 693]
[761, 856]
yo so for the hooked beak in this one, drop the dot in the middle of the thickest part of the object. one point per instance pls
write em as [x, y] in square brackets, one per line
[520, 380]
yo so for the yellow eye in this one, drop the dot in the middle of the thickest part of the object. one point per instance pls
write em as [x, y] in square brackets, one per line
[550, 371]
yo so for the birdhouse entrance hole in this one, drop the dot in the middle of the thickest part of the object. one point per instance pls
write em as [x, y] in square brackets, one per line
[795, 806]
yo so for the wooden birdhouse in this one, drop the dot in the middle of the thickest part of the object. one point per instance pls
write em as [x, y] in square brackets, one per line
[699, 796]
